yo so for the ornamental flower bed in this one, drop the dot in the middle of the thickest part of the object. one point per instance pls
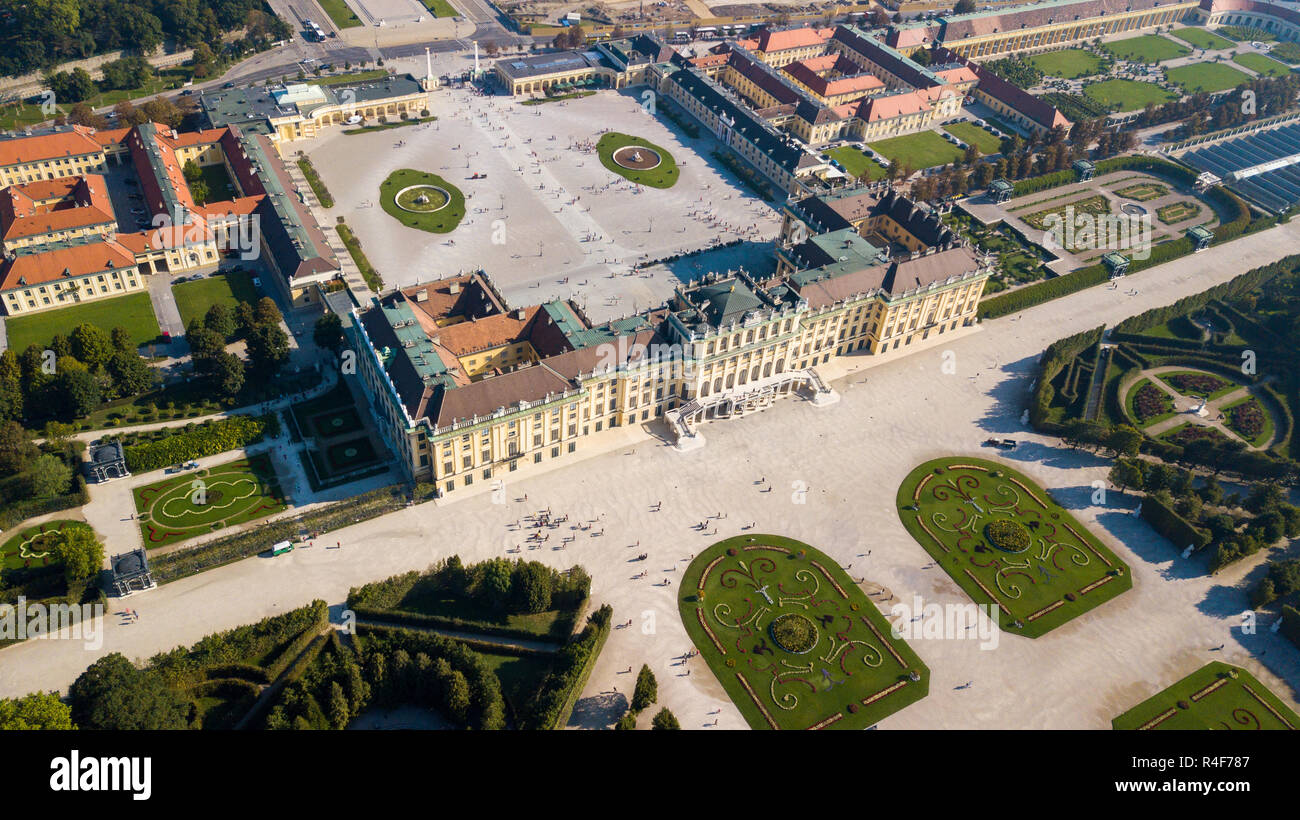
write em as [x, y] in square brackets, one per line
[1201, 384]
[1150, 401]
[1247, 419]
[1191, 433]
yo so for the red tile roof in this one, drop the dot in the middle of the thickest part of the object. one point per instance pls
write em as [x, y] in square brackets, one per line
[51, 266]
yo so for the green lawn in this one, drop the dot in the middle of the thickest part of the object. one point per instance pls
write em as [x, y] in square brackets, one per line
[1206, 77]
[340, 13]
[441, 8]
[32, 547]
[917, 151]
[1070, 63]
[1049, 572]
[792, 639]
[133, 312]
[1262, 65]
[220, 188]
[663, 175]
[856, 163]
[972, 134]
[1128, 95]
[354, 77]
[440, 221]
[1148, 48]
[231, 493]
[1202, 38]
[1216, 696]
[229, 289]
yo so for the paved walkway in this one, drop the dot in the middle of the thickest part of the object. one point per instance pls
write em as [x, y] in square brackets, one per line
[894, 414]
[329, 228]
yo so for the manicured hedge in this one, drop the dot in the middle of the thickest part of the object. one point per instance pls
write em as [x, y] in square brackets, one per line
[1291, 624]
[560, 691]
[1172, 525]
[196, 441]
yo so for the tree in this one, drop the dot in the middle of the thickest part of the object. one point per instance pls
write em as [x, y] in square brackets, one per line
[162, 110]
[964, 7]
[77, 392]
[130, 375]
[328, 332]
[1124, 440]
[35, 712]
[1126, 474]
[227, 372]
[48, 476]
[494, 582]
[121, 339]
[113, 694]
[82, 114]
[265, 312]
[339, 711]
[17, 450]
[203, 341]
[664, 720]
[1263, 498]
[268, 350]
[646, 691]
[220, 321]
[626, 723]
[456, 698]
[82, 555]
[198, 185]
[531, 587]
[128, 115]
[91, 345]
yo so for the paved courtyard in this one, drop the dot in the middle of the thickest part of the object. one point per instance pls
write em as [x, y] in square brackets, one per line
[834, 473]
[549, 221]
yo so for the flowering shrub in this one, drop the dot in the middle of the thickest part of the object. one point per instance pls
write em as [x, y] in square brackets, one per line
[1200, 383]
[1150, 401]
[1008, 535]
[1247, 419]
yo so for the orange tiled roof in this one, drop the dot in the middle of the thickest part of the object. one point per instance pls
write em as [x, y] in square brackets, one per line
[894, 105]
[38, 208]
[74, 143]
[771, 41]
[51, 266]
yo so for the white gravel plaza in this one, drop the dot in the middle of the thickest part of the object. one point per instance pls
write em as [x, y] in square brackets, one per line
[549, 221]
[851, 456]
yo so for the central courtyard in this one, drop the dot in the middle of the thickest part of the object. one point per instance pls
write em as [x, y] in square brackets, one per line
[544, 214]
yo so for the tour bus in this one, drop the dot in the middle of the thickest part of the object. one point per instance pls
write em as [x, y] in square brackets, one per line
[281, 548]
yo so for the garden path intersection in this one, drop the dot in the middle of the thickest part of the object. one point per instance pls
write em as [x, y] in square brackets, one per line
[834, 473]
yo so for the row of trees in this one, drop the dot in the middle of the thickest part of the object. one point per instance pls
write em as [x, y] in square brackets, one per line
[512, 586]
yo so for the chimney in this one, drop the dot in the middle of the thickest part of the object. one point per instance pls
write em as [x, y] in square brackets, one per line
[519, 314]
[454, 288]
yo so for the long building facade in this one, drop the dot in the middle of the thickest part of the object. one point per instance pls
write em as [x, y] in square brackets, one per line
[465, 388]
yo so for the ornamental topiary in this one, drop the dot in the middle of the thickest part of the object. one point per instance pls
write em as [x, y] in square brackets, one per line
[1007, 535]
[794, 633]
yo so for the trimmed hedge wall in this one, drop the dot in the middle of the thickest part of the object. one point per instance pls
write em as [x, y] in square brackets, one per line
[197, 441]
[1291, 624]
[1173, 526]
[560, 691]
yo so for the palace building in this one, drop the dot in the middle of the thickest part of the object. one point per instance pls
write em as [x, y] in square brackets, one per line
[465, 388]
[63, 243]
